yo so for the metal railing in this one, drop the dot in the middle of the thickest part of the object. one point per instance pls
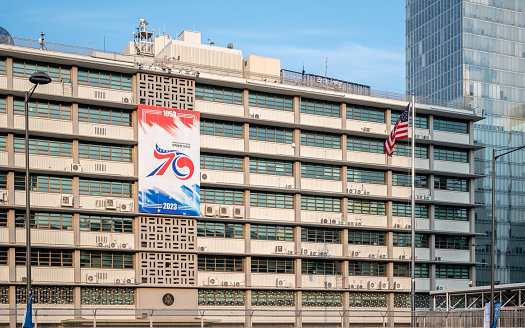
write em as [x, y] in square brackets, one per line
[288, 79]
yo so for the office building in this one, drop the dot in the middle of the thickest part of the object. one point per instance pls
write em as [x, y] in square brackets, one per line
[473, 53]
[301, 209]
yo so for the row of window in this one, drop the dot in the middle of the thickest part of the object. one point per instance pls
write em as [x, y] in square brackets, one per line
[64, 258]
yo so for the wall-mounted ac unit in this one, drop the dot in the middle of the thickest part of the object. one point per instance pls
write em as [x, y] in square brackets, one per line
[365, 129]
[125, 245]
[225, 211]
[335, 221]
[113, 245]
[204, 176]
[66, 200]
[384, 285]
[397, 225]
[382, 256]
[119, 281]
[126, 207]
[102, 244]
[130, 281]
[3, 196]
[372, 285]
[403, 257]
[306, 251]
[372, 256]
[111, 203]
[353, 286]
[314, 253]
[279, 249]
[226, 284]
[202, 248]
[325, 221]
[209, 210]
[355, 253]
[428, 197]
[439, 288]
[213, 281]
[438, 258]
[329, 284]
[237, 284]
[91, 278]
[408, 226]
[291, 252]
[280, 282]
[76, 168]
[126, 100]
[238, 212]
[290, 186]
[398, 285]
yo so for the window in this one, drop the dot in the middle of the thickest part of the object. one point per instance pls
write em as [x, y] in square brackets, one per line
[404, 270]
[106, 152]
[450, 125]
[221, 263]
[91, 222]
[320, 140]
[364, 206]
[421, 120]
[367, 299]
[450, 183]
[4, 251]
[3, 218]
[322, 299]
[321, 267]
[4, 293]
[319, 107]
[355, 174]
[273, 298]
[221, 196]
[2, 66]
[270, 232]
[319, 203]
[405, 149]
[405, 180]
[221, 129]
[219, 229]
[362, 237]
[269, 166]
[43, 220]
[318, 235]
[450, 154]
[452, 271]
[319, 171]
[220, 162]
[218, 94]
[405, 210]
[113, 260]
[451, 213]
[49, 147]
[365, 144]
[101, 115]
[3, 179]
[3, 142]
[44, 183]
[272, 101]
[56, 72]
[260, 265]
[271, 134]
[402, 300]
[3, 101]
[221, 297]
[364, 113]
[45, 109]
[367, 269]
[452, 242]
[45, 257]
[105, 188]
[45, 295]
[274, 200]
[405, 240]
[104, 79]
[107, 296]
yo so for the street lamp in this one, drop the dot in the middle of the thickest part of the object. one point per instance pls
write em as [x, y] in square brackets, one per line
[494, 158]
[36, 78]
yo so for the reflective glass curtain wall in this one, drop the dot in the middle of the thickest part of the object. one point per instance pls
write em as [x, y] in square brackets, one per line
[473, 51]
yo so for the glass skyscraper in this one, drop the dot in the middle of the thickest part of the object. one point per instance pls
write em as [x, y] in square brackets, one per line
[473, 52]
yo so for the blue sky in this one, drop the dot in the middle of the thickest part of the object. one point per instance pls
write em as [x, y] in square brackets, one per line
[363, 40]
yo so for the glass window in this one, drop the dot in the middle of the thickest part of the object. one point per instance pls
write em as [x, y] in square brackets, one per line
[321, 267]
[273, 265]
[2, 66]
[112, 260]
[104, 79]
[270, 166]
[421, 120]
[318, 235]
[362, 237]
[220, 162]
[274, 200]
[45, 109]
[221, 263]
[45, 257]
[367, 269]
[221, 129]
[365, 144]
[56, 72]
[364, 206]
[272, 101]
[405, 240]
[105, 188]
[271, 134]
[452, 242]
[44, 183]
[108, 152]
[450, 154]
[404, 209]
[451, 213]
[405, 180]
[221, 196]
[403, 270]
[218, 94]
[320, 171]
[104, 115]
[450, 125]
[44, 220]
[219, 229]
[270, 232]
[364, 113]
[405, 149]
[355, 174]
[3, 104]
[221, 297]
[319, 107]
[41, 146]
[319, 203]
[91, 222]
[320, 140]
[452, 271]
[451, 183]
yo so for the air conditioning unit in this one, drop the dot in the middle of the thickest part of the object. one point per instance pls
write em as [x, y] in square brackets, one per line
[76, 168]
[126, 207]
[428, 198]
[289, 186]
[306, 251]
[130, 281]
[225, 211]
[113, 245]
[335, 221]
[202, 248]
[126, 100]
[384, 285]
[213, 281]
[66, 200]
[204, 176]
[402, 257]
[314, 253]
[23, 279]
[355, 253]
[278, 249]
[281, 282]
[209, 210]
[91, 278]
[383, 256]
[353, 286]
[238, 284]
[329, 284]
[352, 223]
[225, 284]
[397, 225]
[358, 223]
[125, 245]
[372, 256]
[408, 226]
[398, 285]
[372, 285]
[325, 221]
[111, 203]
[438, 258]
[3, 195]
[238, 212]
[119, 281]
[291, 252]
[102, 244]
[365, 129]
[439, 288]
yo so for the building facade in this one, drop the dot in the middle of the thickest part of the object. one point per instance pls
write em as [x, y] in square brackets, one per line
[301, 208]
[473, 52]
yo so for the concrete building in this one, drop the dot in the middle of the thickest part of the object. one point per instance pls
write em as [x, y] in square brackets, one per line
[473, 52]
[301, 208]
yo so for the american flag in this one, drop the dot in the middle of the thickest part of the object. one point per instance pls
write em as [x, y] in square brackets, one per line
[400, 131]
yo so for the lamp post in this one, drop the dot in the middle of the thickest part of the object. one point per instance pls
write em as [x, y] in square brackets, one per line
[493, 243]
[36, 78]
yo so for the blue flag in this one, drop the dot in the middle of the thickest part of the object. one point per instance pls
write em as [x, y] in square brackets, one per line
[28, 316]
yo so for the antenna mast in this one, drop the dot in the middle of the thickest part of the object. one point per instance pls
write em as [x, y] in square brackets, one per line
[326, 67]
[143, 39]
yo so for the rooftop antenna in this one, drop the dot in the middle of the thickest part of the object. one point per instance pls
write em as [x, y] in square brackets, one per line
[326, 67]
[143, 42]
[210, 42]
[303, 71]
[41, 40]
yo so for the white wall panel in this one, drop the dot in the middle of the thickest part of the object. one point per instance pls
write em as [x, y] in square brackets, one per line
[44, 124]
[218, 108]
[222, 143]
[218, 176]
[319, 280]
[321, 152]
[363, 126]
[4, 273]
[272, 114]
[332, 249]
[3, 158]
[452, 283]
[321, 184]
[316, 216]
[270, 280]
[46, 237]
[53, 88]
[320, 120]
[55, 163]
[276, 181]
[365, 157]
[271, 148]
[99, 203]
[366, 250]
[39, 199]
[3, 82]
[405, 192]
[454, 167]
[452, 196]
[366, 189]
[106, 131]
[47, 274]
[367, 220]
[106, 94]
[3, 120]
[230, 277]
[406, 162]
[452, 225]
[91, 239]
[107, 276]
[222, 245]
[107, 167]
[451, 137]
[453, 255]
[278, 214]
[4, 235]
[268, 246]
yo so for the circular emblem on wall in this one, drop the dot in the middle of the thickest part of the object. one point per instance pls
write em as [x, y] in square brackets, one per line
[168, 299]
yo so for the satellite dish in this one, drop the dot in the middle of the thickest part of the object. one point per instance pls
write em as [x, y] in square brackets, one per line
[5, 37]
[230, 46]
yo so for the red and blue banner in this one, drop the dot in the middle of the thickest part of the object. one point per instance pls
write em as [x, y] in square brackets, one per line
[169, 161]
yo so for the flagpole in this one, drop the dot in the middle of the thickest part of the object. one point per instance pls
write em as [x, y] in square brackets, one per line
[413, 217]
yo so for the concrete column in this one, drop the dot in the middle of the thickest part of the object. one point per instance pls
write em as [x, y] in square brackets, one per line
[297, 239]
[343, 117]
[9, 72]
[431, 156]
[299, 309]
[344, 240]
[245, 99]
[76, 230]
[11, 154]
[74, 118]
[297, 208]
[76, 265]
[248, 271]
[297, 142]
[10, 111]
[344, 211]
[74, 81]
[297, 175]
[13, 313]
[76, 192]
[298, 272]
[388, 181]
[246, 136]
[248, 306]
[390, 307]
[247, 203]
[74, 151]
[247, 251]
[77, 301]
[297, 109]
[343, 146]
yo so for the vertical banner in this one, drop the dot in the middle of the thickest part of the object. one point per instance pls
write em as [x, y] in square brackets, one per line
[486, 321]
[169, 161]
